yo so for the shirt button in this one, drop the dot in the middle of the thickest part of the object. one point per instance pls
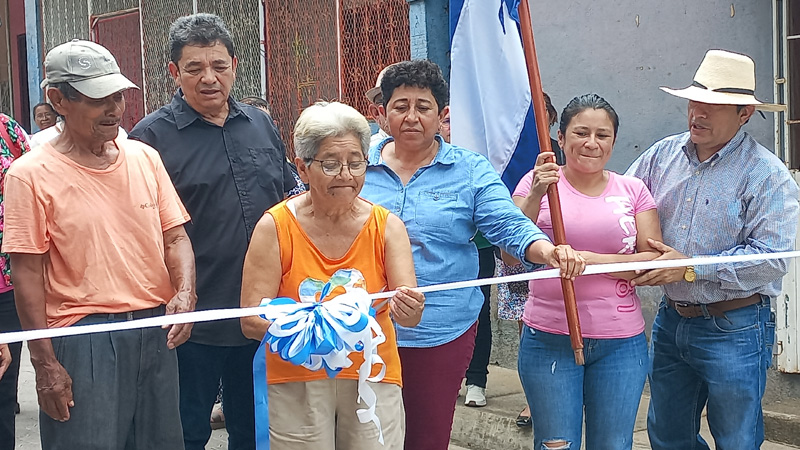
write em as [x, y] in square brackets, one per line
[689, 199]
[712, 164]
[683, 226]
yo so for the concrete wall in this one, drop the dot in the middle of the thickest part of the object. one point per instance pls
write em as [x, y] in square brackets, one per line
[16, 27]
[624, 50]
[430, 32]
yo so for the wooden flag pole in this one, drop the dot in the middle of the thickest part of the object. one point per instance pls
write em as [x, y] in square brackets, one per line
[542, 128]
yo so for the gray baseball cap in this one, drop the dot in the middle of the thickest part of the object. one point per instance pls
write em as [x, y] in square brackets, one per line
[88, 67]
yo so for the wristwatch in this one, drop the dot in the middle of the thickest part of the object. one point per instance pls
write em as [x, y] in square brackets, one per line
[689, 274]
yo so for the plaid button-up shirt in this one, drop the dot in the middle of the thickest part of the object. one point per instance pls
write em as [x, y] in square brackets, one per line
[740, 201]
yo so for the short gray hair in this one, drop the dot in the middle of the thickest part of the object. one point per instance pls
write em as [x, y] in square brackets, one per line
[328, 119]
[202, 30]
[66, 89]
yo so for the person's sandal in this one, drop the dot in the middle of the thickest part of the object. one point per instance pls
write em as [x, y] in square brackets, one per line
[523, 421]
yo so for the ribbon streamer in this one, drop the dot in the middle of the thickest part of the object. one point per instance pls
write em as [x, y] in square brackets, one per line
[318, 334]
[232, 313]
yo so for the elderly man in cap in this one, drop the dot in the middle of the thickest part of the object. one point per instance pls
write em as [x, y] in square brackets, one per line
[720, 193]
[95, 232]
[227, 162]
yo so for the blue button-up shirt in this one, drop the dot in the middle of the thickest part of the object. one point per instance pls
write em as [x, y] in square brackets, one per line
[740, 201]
[442, 206]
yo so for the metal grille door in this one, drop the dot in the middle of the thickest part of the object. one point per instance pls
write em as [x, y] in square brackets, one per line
[302, 57]
[375, 33]
[121, 36]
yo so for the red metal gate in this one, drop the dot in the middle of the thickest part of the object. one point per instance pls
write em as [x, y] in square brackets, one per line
[120, 34]
[329, 50]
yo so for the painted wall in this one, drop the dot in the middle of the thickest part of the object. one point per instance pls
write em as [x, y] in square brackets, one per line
[16, 26]
[33, 38]
[430, 32]
[624, 50]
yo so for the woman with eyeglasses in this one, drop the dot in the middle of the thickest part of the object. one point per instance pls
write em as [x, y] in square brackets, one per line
[329, 235]
[444, 194]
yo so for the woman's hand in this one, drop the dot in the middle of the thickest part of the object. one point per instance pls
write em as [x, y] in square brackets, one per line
[567, 259]
[407, 306]
[544, 174]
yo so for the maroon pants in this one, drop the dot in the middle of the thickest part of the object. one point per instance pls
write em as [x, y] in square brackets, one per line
[431, 380]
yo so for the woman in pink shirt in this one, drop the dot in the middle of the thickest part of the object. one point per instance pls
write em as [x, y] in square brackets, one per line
[609, 217]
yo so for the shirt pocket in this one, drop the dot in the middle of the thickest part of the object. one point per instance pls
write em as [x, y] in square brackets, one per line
[268, 164]
[726, 214]
[435, 209]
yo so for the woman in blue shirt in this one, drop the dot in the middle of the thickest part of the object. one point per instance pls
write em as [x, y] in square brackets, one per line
[443, 194]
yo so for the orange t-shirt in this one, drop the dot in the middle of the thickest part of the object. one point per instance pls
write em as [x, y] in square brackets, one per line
[102, 230]
[301, 261]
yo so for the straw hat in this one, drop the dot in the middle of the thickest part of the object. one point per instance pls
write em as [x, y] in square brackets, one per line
[372, 93]
[724, 78]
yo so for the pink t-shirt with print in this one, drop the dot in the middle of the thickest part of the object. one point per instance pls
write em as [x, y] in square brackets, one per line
[608, 307]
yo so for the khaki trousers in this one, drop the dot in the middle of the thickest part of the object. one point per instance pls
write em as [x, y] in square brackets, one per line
[321, 415]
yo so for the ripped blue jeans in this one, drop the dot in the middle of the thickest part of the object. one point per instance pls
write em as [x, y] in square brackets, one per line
[608, 388]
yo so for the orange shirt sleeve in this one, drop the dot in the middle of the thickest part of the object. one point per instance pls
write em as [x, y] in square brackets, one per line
[25, 227]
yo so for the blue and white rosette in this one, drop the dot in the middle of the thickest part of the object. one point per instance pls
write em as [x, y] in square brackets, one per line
[319, 334]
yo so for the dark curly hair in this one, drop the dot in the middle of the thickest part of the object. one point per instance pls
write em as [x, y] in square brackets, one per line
[202, 30]
[581, 103]
[419, 73]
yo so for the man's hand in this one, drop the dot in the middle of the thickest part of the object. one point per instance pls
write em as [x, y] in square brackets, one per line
[183, 301]
[5, 358]
[54, 387]
[568, 260]
[658, 277]
[407, 306]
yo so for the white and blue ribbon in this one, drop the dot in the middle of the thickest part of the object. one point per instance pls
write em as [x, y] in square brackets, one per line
[318, 334]
[344, 308]
[210, 315]
[260, 396]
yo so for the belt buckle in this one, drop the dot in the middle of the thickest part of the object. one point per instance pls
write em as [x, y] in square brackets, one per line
[129, 315]
[682, 305]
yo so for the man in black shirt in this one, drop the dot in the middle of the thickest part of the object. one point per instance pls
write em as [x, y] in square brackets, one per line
[227, 162]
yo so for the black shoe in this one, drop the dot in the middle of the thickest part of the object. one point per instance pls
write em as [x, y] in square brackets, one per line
[524, 421]
[16, 409]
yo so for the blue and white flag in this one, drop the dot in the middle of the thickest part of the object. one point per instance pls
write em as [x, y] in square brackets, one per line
[490, 97]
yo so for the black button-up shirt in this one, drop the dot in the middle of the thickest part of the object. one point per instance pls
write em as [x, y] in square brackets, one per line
[227, 178]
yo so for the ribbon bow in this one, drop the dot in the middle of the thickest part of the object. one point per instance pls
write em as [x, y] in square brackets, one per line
[318, 334]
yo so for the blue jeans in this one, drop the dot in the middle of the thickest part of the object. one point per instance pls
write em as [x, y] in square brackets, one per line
[201, 367]
[609, 388]
[715, 362]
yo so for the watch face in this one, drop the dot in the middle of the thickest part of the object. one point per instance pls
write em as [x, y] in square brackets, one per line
[689, 275]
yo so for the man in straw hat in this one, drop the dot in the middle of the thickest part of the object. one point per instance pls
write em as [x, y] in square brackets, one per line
[720, 193]
[375, 109]
[95, 232]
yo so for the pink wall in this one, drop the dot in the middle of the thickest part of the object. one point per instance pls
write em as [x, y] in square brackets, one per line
[16, 15]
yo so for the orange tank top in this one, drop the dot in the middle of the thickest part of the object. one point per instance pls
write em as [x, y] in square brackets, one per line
[302, 261]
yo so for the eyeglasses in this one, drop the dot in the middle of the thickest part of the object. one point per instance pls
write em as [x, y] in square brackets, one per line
[332, 168]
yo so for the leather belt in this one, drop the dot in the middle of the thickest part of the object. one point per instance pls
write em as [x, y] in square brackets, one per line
[133, 315]
[692, 310]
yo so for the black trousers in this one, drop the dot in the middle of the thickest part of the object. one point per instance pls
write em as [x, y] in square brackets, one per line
[479, 365]
[201, 367]
[9, 321]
